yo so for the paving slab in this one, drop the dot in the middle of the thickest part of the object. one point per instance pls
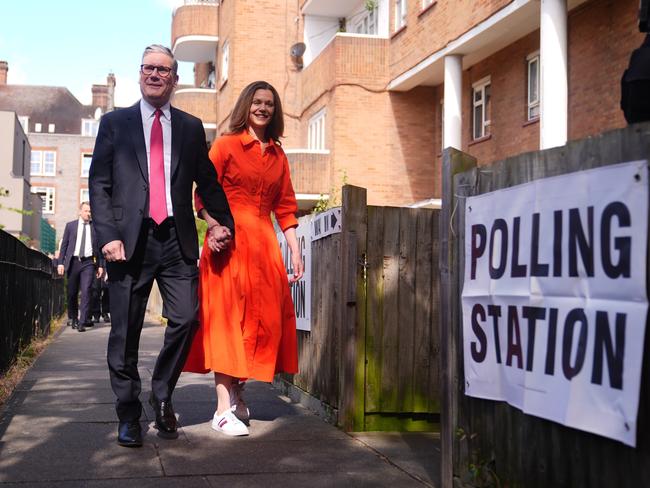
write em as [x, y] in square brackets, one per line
[58, 429]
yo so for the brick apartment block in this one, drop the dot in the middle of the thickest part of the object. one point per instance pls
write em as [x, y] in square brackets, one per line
[366, 106]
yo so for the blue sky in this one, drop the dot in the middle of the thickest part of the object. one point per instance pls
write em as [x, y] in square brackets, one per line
[75, 43]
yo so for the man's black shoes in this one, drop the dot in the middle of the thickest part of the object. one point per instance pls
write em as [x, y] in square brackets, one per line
[165, 417]
[129, 434]
[80, 328]
[106, 318]
[75, 323]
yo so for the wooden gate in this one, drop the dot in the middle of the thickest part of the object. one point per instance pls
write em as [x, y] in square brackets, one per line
[371, 357]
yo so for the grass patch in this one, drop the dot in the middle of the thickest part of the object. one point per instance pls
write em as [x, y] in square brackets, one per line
[25, 358]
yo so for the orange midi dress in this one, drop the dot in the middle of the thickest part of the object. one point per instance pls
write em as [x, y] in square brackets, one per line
[247, 321]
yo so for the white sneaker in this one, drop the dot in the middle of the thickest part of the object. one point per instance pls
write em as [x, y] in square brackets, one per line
[237, 405]
[229, 424]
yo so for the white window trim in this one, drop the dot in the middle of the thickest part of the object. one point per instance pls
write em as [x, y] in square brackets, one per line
[51, 128]
[82, 164]
[225, 61]
[84, 195]
[485, 122]
[94, 126]
[535, 103]
[40, 171]
[48, 173]
[401, 9]
[316, 130]
[50, 198]
[365, 17]
[37, 127]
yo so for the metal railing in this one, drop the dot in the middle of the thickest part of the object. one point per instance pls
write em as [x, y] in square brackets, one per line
[31, 294]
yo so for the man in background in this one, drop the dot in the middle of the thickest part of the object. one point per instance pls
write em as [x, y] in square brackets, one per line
[80, 260]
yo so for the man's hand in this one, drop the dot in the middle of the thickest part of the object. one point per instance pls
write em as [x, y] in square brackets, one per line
[114, 251]
[100, 272]
[60, 269]
[219, 237]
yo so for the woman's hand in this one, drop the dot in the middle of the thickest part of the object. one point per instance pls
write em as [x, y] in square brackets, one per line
[298, 266]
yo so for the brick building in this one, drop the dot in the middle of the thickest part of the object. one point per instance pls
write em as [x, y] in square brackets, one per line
[383, 85]
[61, 133]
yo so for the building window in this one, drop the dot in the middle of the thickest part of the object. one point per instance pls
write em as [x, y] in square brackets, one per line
[225, 60]
[84, 195]
[48, 195]
[316, 132]
[89, 127]
[37, 127]
[367, 22]
[50, 128]
[481, 109]
[400, 14]
[86, 158]
[24, 121]
[43, 162]
[533, 86]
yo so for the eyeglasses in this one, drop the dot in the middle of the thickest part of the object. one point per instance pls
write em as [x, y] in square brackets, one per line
[148, 69]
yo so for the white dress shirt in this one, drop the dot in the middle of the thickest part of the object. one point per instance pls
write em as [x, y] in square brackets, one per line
[88, 245]
[148, 115]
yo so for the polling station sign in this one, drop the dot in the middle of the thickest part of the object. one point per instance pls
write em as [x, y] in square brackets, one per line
[300, 290]
[554, 297]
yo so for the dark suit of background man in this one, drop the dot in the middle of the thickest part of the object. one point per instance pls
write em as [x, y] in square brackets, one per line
[78, 258]
[145, 161]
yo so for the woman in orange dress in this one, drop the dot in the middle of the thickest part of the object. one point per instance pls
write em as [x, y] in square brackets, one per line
[247, 321]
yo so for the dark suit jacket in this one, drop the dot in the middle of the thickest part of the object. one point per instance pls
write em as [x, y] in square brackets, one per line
[119, 179]
[70, 240]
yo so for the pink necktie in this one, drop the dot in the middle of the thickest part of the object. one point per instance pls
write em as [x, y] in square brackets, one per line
[157, 201]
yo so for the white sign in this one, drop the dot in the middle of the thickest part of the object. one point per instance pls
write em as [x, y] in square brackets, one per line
[554, 298]
[300, 290]
[326, 223]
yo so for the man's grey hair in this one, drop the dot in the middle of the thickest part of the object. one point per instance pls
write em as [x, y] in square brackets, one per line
[158, 48]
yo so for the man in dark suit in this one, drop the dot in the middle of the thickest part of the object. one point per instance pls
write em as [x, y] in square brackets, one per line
[145, 162]
[78, 258]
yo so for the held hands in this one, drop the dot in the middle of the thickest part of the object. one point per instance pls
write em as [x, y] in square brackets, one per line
[60, 269]
[219, 237]
[99, 272]
[114, 251]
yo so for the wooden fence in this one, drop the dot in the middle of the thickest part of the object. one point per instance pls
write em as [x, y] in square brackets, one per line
[488, 443]
[372, 352]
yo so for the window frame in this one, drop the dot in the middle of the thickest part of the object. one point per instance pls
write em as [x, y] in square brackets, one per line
[225, 61]
[40, 162]
[49, 200]
[316, 131]
[92, 130]
[38, 127]
[484, 87]
[83, 156]
[401, 10]
[365, 20]
[535, 104]
[84, 192]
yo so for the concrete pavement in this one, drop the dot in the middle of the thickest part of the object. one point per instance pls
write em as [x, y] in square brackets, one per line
[59, 428]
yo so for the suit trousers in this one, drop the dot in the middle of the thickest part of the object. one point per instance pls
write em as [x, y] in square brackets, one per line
[157, 256]
[80, 279]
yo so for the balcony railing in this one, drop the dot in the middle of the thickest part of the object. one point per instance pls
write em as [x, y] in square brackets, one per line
[195, 32]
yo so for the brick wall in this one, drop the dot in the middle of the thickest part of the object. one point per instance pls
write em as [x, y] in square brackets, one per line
[194, 20]
[429, 31]
[602, 35]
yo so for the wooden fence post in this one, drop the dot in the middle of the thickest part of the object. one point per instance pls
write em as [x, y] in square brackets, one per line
[453, 162]
[353, 309]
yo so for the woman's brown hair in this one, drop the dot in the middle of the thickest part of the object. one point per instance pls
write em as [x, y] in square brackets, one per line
[239, 117]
